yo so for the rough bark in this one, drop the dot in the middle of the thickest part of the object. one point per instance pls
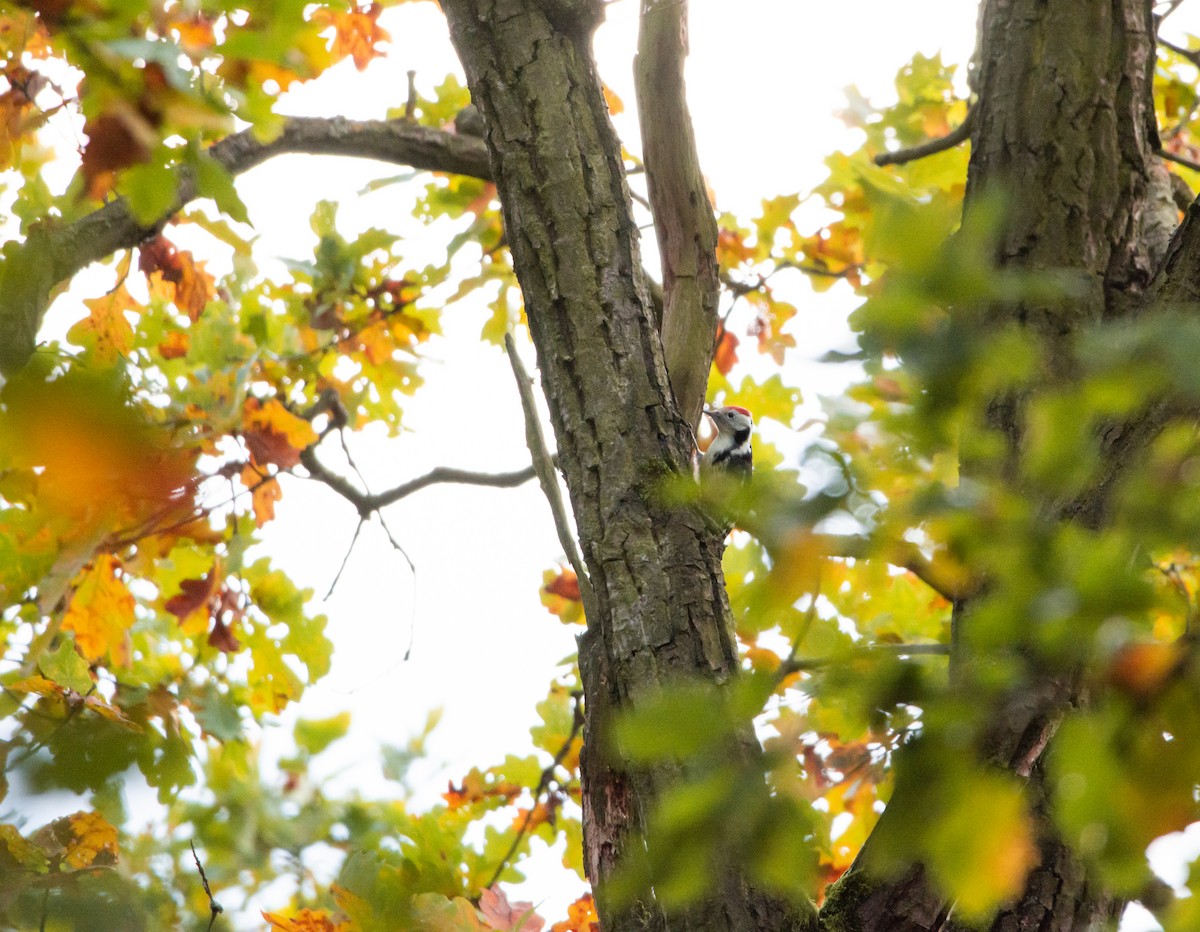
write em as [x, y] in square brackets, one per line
[1064, 133]
[50, 255]
[660, 609]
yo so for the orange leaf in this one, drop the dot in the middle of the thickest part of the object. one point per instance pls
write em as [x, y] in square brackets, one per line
[92, 837]
[475, 788]
[1141, 669]
[306, 920]
[191, 288]
[264, 493]
[97, 460]
[615, 104]
[101, 613]
[356, 34]
[560, 595]
[274, 434]
[581, 917]
[732, 248]
[176, 345]
[726, 355]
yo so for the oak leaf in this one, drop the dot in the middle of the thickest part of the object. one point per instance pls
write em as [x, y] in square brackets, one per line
[116, 139]
[273, 434]
[92, 840]
[356, 33]
[726, 355]
[101, 613]
[175, 345]
[581, 917]
[560, 595]
[306, 920]
[222, 637]
[194, 596]
[264, 493]
[190, 286]
[106, 331]
[500, 914]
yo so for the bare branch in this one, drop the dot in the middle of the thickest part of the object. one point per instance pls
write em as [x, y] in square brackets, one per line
[803, 665]
[1179, 160]
[547, 474]
[956, 136]
[30, 270]
[215, 909]
[683, 216]
[367, 503]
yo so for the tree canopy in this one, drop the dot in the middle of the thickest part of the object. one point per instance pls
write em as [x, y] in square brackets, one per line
[941, 676]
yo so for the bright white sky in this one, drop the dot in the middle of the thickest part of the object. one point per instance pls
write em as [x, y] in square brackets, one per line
[766, 78]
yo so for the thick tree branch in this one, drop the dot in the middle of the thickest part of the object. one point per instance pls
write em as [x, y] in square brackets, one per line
[31, 270]
[956, 136]
[683, 217]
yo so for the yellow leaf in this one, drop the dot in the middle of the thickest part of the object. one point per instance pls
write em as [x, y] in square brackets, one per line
[35, 684]
[105, 331]
[91, 837]
[109, 711]
[101, 613]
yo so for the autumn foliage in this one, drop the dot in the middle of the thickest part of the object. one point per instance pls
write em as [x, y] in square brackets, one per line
[149, 638]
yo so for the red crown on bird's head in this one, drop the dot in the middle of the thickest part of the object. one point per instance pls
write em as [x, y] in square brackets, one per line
[740, 410]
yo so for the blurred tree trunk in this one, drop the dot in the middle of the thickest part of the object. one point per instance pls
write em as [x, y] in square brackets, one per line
[1065, 139]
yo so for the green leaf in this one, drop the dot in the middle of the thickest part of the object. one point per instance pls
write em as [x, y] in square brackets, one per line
[66, 666]
[315, 735]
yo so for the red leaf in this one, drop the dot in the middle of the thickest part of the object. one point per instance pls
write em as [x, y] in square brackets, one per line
[193, 593]
[115, 141]
[565, 586]
[221, 637]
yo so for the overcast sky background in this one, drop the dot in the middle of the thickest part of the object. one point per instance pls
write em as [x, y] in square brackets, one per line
[765, 78]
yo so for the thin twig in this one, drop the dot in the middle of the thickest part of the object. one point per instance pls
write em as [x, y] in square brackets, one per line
[346, 559]
[214, 907]
[1179, 160]
[794, 665]
[953, 138]
[412, 626]
[543, 785]
[543, 465]
[1189, 54]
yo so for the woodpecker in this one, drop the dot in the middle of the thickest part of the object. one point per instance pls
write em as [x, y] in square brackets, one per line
[730, 452]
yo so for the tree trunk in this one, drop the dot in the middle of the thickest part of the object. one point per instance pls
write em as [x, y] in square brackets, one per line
[1064, 134]
[660, 613]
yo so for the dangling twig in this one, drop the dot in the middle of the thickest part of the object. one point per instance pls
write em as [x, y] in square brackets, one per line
[214, 907]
